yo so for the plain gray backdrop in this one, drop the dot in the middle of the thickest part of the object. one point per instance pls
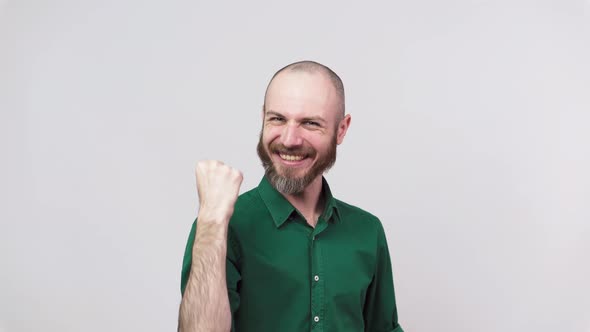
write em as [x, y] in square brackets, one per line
[469, 139]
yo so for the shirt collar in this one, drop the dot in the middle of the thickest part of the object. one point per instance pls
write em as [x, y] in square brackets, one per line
[280, 209]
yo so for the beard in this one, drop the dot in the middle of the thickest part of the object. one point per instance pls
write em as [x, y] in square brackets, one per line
[286, 182]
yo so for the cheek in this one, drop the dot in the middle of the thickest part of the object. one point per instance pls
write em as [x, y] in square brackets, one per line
[318, 142]
[268, 135]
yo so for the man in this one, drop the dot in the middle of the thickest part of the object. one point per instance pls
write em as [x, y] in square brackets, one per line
[287, 256]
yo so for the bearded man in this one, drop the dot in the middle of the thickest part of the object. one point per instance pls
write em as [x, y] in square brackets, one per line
[287, 255]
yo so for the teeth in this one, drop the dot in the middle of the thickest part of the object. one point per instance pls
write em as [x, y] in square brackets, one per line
[291, 158]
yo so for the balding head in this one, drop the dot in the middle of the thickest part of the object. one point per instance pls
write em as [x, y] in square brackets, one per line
[313, 67]
[303, 122]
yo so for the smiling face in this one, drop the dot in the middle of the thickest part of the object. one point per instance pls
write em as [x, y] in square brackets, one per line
[302, 125]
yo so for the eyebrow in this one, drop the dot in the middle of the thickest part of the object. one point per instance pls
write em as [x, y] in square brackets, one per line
[310, 118]
[274, 113]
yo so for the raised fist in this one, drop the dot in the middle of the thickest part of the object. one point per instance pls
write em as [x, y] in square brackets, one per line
[218, 186]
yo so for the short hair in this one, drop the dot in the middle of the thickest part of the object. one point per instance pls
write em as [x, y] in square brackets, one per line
[309, 66]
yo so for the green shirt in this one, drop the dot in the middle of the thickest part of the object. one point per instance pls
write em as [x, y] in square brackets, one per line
[283, 275]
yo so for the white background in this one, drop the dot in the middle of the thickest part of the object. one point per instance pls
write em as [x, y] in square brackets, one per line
[469, 139]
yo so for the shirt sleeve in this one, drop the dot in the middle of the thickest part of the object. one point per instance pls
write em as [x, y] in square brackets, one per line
[232, 272]
[380, 310]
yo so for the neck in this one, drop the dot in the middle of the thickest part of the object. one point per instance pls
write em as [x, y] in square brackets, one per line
[309, 202]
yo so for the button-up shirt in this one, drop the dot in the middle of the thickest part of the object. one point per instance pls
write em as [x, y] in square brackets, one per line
[284, 275]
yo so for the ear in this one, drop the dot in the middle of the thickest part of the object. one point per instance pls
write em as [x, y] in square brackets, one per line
[342, 128]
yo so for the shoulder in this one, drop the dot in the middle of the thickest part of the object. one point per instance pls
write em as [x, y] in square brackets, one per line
[248, 202]
[355, 216]
[248, 211]
[351, 211]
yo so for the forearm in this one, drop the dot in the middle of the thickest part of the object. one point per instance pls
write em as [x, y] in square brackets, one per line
[205, 304]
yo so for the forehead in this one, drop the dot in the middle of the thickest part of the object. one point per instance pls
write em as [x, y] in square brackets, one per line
[302, 94]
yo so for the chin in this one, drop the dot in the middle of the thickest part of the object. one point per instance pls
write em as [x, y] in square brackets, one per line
[292, 172]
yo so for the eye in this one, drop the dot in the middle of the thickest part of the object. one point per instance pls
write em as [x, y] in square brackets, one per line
[276, 119]
[311, 123]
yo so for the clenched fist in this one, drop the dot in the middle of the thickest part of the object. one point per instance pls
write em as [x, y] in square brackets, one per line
[218, 186]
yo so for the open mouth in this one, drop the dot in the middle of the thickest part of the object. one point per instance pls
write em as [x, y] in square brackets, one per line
[291, 157]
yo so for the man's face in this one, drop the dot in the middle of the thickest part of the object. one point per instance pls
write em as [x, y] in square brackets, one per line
[301, 128]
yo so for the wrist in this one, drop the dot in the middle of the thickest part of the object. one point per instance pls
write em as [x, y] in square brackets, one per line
[212, 216]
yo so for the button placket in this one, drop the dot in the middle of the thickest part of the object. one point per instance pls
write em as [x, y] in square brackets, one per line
[317, 297]
[317, 289]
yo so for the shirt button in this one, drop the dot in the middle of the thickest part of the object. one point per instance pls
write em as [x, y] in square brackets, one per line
[316, 319]
[316, 278]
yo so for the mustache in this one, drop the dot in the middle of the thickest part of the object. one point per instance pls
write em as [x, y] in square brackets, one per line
[300, 150]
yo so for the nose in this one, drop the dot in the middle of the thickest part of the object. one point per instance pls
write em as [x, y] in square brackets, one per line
[290, 136]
